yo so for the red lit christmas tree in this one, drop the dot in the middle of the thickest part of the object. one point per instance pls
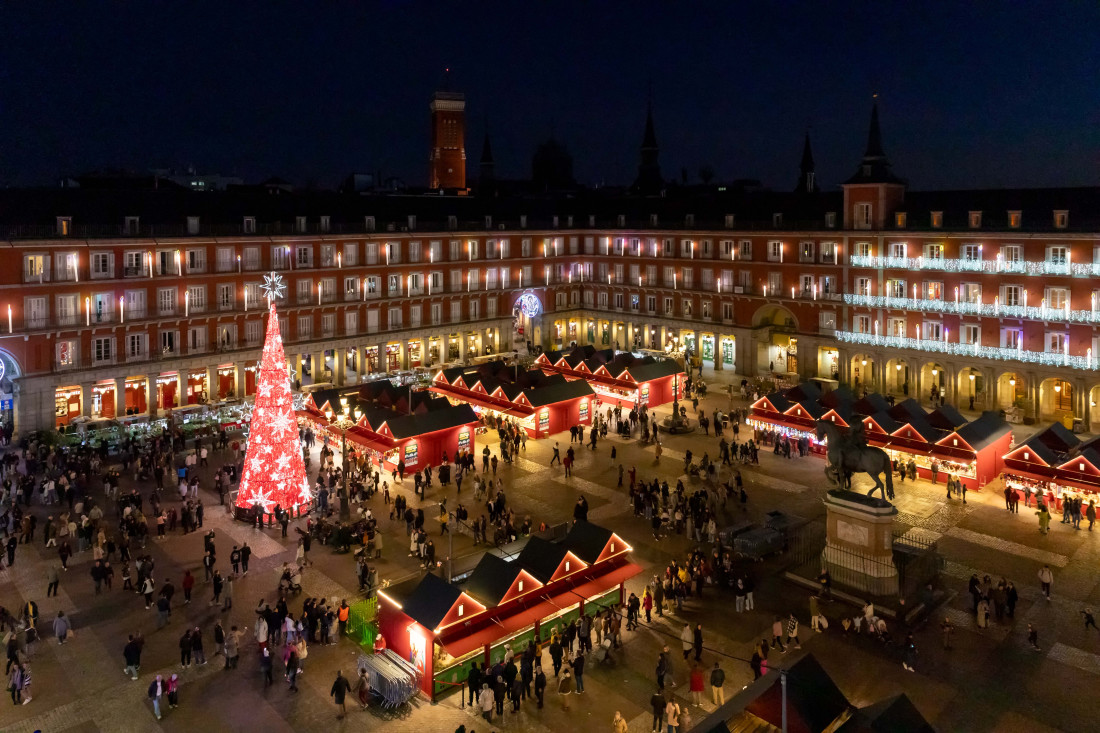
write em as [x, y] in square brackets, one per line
[273, 473]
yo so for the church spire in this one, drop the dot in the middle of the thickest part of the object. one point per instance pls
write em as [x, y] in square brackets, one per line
[875, 167]
[874, 136]
[807, 182]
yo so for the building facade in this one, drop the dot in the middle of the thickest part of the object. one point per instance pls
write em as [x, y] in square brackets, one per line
[152, 302]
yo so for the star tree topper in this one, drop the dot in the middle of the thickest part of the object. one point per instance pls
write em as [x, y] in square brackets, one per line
[274, 286]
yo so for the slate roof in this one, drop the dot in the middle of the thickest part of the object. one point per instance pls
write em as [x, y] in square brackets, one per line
[987, 429]
[1058, 438]
[541, 558]
[805, 392]
[886, 421]
[779, 401]
[430, 601]
[586, 541]
[872, 404]
[491, 579]
[408, 426]
[908, 410]
[892, 715]
[654, 370]
[813, 699]
[946, 417]
[559, 392]
[1040, 449]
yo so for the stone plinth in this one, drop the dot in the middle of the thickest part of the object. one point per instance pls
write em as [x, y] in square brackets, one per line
[859, 541]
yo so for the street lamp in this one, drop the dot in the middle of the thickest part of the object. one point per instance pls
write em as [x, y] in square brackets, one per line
[342, 422]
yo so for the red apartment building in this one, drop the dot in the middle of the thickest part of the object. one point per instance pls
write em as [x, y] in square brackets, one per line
[140, 300]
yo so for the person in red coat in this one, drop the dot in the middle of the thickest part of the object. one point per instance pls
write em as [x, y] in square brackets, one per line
[379, 644]
[188, 583]
[696, 685]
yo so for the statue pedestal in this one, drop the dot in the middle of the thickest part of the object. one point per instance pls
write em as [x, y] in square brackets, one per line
[859, 552]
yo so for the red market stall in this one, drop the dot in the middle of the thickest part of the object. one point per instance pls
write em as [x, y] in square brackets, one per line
[618, 379]
[540, 404]
[1055, 462]
[511, 600]
[970, 451]
[434, 428]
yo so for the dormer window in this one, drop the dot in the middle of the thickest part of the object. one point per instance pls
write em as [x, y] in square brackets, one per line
[461, 609]
[64, 226]
[567, 566]
[1061, 219]
[899, 220]
[1014, 219]
[830, 220]
[612, 546]
[250, 225]
[937, 219]
[777, 220]
[520, 586]
[975, 219]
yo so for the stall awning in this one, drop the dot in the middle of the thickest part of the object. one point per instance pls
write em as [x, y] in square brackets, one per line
[540, 608]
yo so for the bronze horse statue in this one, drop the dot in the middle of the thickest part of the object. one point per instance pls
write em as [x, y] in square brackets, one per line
[848, 454]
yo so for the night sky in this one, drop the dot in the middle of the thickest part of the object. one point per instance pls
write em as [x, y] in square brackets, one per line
[972, 94]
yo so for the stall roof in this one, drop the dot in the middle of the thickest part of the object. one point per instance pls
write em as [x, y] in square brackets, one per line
[552, 393]
[813, 700]
[430, 601]
[909, 410]
[778, 401]
[491, 579]
[1035, 445]
[838, 396]
[987, 429]
[547, 605]
[885, 421]
[587, 541]
[872, 403]
[946, 417]
[893, 715]
[541, 558]
[653, 370]
[1059, 439]
[805, 392]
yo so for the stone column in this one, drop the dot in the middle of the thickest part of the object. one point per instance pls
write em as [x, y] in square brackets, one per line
[151, 395]
[718, 353]
[238, 380]
[317, 366]
[182, 378]
[212, 383]
[86, 399]
[120, 397]
[339, 355]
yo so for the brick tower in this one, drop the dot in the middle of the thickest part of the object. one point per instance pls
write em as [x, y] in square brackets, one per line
[448, 161]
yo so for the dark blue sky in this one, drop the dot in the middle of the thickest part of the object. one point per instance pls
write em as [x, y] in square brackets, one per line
[972, 94]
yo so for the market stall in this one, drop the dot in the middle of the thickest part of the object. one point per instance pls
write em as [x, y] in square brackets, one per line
[539, 403]
[442, 627]
[971, 451]
[618, 378]
[1055, 462]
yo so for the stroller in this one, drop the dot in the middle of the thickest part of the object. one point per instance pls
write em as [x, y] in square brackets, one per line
[291, 581]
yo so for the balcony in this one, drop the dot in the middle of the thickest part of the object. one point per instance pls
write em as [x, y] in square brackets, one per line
[962, 307]
[131, 271]
[1089, 362]
[993, 266]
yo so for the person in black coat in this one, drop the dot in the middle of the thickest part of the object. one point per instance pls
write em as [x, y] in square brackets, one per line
[473, 681]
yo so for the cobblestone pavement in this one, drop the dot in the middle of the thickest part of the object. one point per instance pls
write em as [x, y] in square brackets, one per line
[990, 681]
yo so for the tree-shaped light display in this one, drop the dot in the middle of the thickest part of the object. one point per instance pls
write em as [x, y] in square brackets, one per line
[273, 469]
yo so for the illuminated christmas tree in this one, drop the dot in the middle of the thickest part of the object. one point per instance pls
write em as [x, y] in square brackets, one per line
[273, 469]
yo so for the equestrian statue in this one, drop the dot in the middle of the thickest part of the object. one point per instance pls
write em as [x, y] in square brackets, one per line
[849, 453]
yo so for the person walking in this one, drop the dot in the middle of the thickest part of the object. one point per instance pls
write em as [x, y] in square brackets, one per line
[26, 682]
[697, 642]
[185, 649]
[672, 716]
[777, 635]
[717, 684]
[155, 693]
[53, 579]
[62, 629]
[1046, 578]
[1044, 518]
[1033, 637]
[187, 584]
[265, 667]
[540, 685]
[485, 702]
[15, 683]
[340, 688]
[687, 640]
[565, 687]
[218, 584]
[132, 654]
[696, 685]
[792, 632]
[232, 648]
[578, 670]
